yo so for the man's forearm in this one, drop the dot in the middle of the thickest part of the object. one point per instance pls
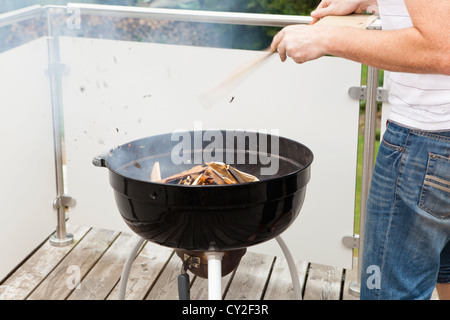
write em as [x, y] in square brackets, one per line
[405, 50]
[423, 48]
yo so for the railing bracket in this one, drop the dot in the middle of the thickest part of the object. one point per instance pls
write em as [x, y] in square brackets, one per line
[360, 93]
[64, 201]
[351, 242]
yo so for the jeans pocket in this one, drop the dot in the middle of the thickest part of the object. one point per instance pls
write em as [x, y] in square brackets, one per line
[391, 145]
[435, 193]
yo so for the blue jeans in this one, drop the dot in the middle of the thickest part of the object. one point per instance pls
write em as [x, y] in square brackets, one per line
[406, 246]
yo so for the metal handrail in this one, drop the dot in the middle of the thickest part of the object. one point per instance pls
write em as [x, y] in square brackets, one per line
[256, 19]
[11, 17]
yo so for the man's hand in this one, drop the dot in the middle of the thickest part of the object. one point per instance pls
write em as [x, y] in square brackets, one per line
[422, 48]
[342, 8]
[304, 43]
[300, 42]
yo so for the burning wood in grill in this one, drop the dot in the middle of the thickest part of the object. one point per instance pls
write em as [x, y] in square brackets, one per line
[212, 173]
[136, 164]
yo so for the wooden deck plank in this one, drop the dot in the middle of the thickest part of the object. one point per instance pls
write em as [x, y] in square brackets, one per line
[166, 287]
[144, 271]
[323, 283]
[26, 278]
[280, 283]
[59, 283]
[250, 277]
[104, 276]
[100, 255]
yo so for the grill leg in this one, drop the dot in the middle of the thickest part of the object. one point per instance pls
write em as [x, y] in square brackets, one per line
[214, 275]
[126, 269]
[292, 268]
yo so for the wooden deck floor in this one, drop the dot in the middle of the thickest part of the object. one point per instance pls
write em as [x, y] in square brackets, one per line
[97, 257]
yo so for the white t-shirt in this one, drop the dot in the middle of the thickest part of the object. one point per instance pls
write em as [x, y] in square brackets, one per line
[419, 101]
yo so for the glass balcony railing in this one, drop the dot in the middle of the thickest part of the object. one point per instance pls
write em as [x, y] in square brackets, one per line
[78, 80]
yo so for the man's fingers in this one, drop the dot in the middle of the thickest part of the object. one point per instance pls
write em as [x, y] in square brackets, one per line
[276, 45]
[314, 20]
[321, 12]
[282, 52]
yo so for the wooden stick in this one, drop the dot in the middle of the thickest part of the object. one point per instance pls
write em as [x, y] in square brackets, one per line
[156, 172]
[212, 96]
[220, 91]
[360, 21]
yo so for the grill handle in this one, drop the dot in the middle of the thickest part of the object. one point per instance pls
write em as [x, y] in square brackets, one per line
[99, 161]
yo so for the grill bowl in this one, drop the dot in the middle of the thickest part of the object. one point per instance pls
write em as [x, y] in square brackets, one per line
[212, 217]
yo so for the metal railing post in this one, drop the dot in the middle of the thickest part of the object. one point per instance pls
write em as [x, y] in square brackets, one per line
[54, 71]
[370, 118]
[60, 237]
